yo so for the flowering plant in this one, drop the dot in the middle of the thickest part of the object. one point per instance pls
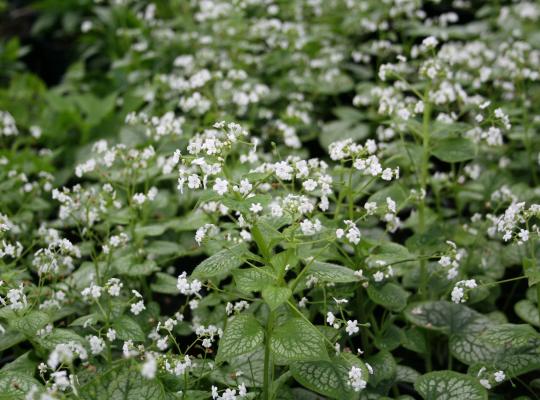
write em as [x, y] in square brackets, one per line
[274, 200]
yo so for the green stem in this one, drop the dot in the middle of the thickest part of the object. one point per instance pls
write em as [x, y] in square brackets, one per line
[268, 363]
[423, 184]
[350, 194]
[532, 251]
[538, 298]
[526, 138]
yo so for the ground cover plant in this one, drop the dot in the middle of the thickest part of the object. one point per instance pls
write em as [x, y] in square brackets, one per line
[269, 199]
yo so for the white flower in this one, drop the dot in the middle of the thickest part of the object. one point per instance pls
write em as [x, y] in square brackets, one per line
[445, 261]
[139, 198]
[355, 379]
[111, 334]
[378, 276]
[96, 344]
[352, 327]
[284, 171]
[330, 318]
[457, 294]
[61, 380]
[138, 307]
[485, 383]
[114, 286]
[242, 391]
[256, 208]
[221, 186]
[149, 367]
[499, 376]
[244, 187]
[387, 174]
[370, 207]
[93, 291]
[430, 42]
[523, 235]
[194, 182]
[310, 185]
[309, 228]
[162, 343]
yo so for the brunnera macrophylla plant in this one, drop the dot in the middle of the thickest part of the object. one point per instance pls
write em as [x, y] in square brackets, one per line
[272, 200]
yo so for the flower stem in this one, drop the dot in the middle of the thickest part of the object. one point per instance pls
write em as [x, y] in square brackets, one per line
[423, 184]
[268, 363]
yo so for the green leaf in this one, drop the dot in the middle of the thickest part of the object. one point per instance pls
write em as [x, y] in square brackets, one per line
[122, 383]
[453, 150]
[253, 279]
[22, 365]
[275, 296]
[516, 349]
[406, 374]
[58, 336]
[462, 324]
[297, 340]
[394, 191]
[150, 230]
[10, 338]
[390, 296]
[14, 385]
[165, 248]
[220, 263]
[242, 335]
[442, 316]
[128, 265]
[284, 261]
[127, 328]
[511, 335]
[334, 273]
[30, 323]
[532, 271]
[87, 320]
[262, 241]
[528, 312]
[414, 339]
[449, 385]
[189, 222]
[342, 129]
[165, 284]
[384, 368]
[327, 377]
[250, 365]
[389, 253]
[389, 339]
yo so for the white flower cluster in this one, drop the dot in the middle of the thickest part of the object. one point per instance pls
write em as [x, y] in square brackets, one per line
[355, 379]
[7, 124]
[188, 288]
[207, 334]
[16, 298]
[158, 127]
[351, 232]
[351, 326]
[363, 158]
[452, 259]
[459, 292]
[513, 222]
[10, 250]
[57, 258]
[229, 394]
[487, 380]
